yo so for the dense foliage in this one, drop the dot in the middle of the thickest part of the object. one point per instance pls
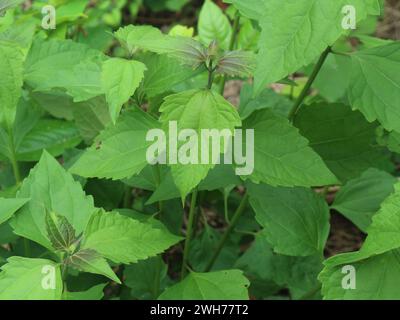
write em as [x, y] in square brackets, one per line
[85, 215]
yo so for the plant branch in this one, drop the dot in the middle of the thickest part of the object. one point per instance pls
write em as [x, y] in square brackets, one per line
[189, 232]
[210, 76]
[157, 279]
[309, 83]
[64, 274]
[127, 197]
[157, 177]
[13, 158]
[235, 219]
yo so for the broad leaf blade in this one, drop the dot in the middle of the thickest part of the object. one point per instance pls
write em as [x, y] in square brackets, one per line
[220, 285]
[360, 198]
[59, 231]
[88, 260]
[120, 79]
[375, 85]
[123, 144]
[9, 206]
[296, 220]
[214, 25]
[282, 157]
[50, 188]
[124, 240]
[343, 138]
[24, 279]
[11, 68]
[197, 110]
[296, 32]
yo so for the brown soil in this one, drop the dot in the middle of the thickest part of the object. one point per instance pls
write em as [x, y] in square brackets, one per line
[389, 28]
[344, 236]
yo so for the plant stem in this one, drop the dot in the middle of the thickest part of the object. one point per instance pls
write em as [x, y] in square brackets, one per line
[235, 31]
[234, 220]
[128, 197]
[64, 274]
[309, 83]
[210, 76]
[189, 232]
[27, 248]
[157, 279]
[13, 158]
[157, 178]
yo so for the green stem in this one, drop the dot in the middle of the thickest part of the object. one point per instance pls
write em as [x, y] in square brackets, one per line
[226, 214]
[157, 178]
[309, 83]
[157, 279]
[210, 76]
[128, 197]
[189, 232]
[235, 31]
[13, 158]
[234, 221]
[27, 248]
[64, 274]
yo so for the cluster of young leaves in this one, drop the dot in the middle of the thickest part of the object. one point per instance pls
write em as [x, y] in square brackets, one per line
[79, 86]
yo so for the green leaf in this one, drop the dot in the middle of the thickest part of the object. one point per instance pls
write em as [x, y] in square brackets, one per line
[11, 68]
[296, 220]
[197, 110]
[64, 64]
[141, 277]
[88, 260]
[56, 102]
[379, 253]
[333, 79]
[8, 4]
[30, 279]
[220, 285]
[20, 34]
[120, 79]
[91, 117]
[258, 265]
[71, 10]
[124, 143]
[294, 34]
[9, 206]
[343, 139]
[219, 177]
[186, 50]
[390, 140]
[237, 63]
[282, 156]
[214, 25]
[59, 231]
[269, 272]
[94, 293]
[268, 99]
[163, 73]
[360, 198]
[124, 240]
[52, 135]
[248, 36]
[50, 188]
[377, 278]
[253, 9]
[375, 84]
